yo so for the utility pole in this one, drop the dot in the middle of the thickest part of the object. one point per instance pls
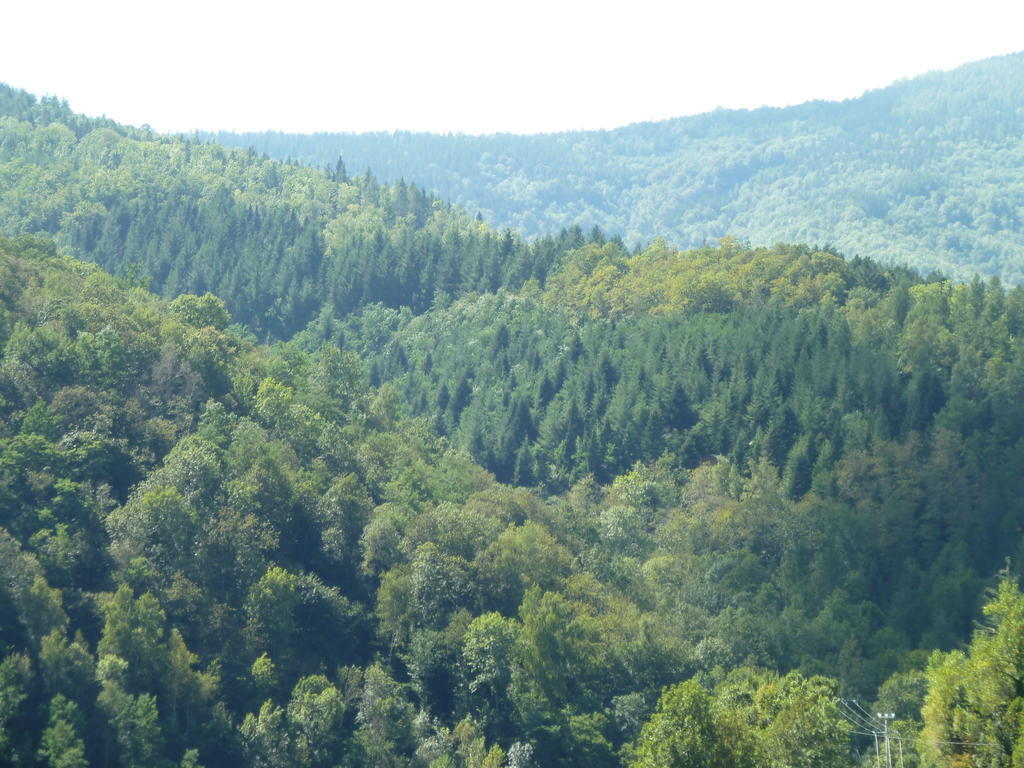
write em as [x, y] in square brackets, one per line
[886, 717]
[864, 724]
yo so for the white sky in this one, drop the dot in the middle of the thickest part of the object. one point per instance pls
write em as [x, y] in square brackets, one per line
[477, 66]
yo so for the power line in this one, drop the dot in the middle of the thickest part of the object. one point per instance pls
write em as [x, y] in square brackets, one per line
[886, 718]
[864, 725]
[858, 706]
[959, 743]
[852, 717]
[861, 733]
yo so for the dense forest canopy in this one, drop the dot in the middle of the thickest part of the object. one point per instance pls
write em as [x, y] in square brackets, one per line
[926, 172]
[280, 243]
[477, 501]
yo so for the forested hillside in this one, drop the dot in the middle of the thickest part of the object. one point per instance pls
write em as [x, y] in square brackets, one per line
[880, 413]
[926, 172]
[280, 243]
[478, 502]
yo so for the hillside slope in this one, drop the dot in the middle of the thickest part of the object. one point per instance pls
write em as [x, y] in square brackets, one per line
[280, 243]
[927, 172]
[217, 553]
[730, 460]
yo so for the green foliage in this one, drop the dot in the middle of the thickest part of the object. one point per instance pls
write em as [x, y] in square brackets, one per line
[522, 557]
[793, 720]
[549, 649]
[62, 746]
[681, 733]
[265, 739]
[132, 718]
[304, 247]
[133, 631]
[315, 714]
[751, 719]
[605, 281]
[230, 554]
[15, 671]
[385, 719]
[200, 311]
[270, 608]
[922, 172]
[974, 709]
[487, 653]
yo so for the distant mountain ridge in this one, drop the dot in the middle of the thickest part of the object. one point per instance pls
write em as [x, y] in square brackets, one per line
[928, 172]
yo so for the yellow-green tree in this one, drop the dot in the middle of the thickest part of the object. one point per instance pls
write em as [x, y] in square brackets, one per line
[974, 709]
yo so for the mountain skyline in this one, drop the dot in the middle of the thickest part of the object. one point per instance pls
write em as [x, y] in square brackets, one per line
[924, 172]
[456, 67]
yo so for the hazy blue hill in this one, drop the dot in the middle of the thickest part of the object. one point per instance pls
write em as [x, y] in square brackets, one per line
[928, 171]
